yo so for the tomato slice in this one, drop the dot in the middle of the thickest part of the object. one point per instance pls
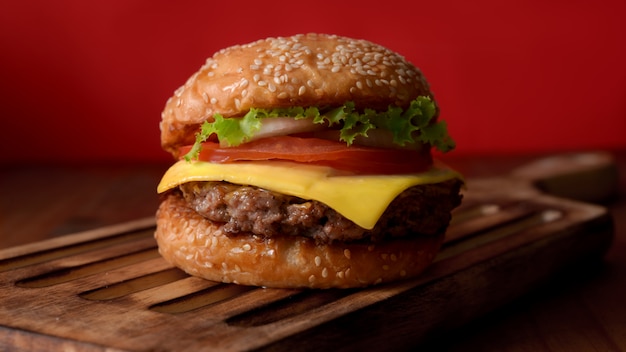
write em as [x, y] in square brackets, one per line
[357, 159]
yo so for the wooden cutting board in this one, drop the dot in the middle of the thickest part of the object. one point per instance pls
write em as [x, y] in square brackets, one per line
[109, 290]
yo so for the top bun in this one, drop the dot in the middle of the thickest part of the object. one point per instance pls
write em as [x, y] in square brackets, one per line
[302, 70]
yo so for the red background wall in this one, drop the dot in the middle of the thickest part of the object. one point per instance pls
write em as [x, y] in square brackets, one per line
[88, 79]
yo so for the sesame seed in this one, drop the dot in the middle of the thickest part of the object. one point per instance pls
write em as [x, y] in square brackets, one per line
[312, 278]
[310, 83]
[335, 69]
[282, 95]
[402, 273]
[340, 274]
[211, 74]
[385, 267]
[256, 77]
[359, 84]
[394, 258]
[347, 272]
[325, 273]
[346, 253]
[205, 97]
[378, 281]
[318, 261]
[302, 90]
[179, 102]
[262, 83]
[244, 83]
[237, 103]
[244, 93]
[258, 61]
[213, 101]
[254, 67]
[271, 87]
[246, 247]
[384, 256]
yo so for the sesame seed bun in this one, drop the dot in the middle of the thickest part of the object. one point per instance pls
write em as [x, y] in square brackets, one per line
[199, 247]
[302, 70]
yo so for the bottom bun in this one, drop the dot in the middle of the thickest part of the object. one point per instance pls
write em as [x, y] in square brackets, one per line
[200, 248]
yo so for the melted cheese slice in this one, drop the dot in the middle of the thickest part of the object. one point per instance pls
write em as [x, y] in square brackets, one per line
[361, 199]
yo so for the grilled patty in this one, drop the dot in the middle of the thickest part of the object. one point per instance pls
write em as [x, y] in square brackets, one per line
[420, 210]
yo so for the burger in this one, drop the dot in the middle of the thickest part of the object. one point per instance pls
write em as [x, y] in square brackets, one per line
[305, 162]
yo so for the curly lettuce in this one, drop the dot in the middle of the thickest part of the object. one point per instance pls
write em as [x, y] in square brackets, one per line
[411, 125]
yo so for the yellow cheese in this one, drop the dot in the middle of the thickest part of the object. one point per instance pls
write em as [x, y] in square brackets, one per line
[361, 199]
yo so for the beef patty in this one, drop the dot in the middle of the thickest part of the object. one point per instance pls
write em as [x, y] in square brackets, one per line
[419, 210]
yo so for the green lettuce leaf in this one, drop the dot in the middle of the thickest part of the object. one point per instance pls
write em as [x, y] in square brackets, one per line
[410, 125]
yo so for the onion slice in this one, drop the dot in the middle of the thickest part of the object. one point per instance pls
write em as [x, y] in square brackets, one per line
[283, 126]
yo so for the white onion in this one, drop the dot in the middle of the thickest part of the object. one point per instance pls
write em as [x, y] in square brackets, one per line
[281, 126]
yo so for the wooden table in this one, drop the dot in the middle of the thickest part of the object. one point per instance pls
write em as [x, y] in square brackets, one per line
[577, 311]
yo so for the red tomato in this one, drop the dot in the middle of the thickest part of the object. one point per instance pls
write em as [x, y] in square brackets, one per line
[358, 159]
